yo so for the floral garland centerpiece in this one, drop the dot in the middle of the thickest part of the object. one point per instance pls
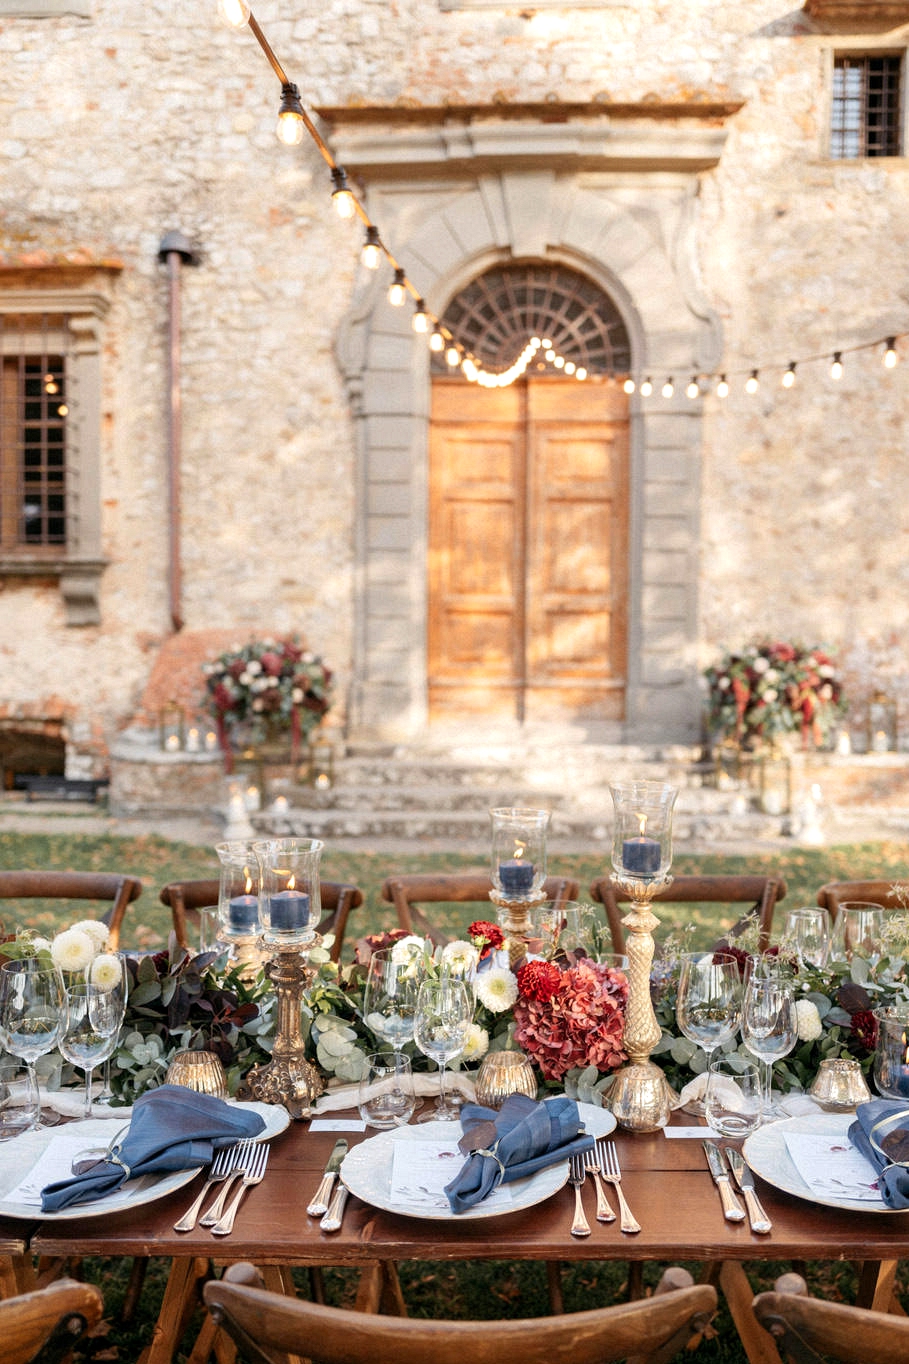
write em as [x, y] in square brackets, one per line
[275, 686]
[769, 689]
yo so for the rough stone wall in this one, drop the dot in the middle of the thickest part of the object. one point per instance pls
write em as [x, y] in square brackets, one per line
[149, 116]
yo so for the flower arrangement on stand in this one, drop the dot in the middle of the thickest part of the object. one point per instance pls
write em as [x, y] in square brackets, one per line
[770, 689]
[270, 688]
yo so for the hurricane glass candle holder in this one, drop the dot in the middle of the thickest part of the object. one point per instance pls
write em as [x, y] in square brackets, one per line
[518, 872]
[290, 899]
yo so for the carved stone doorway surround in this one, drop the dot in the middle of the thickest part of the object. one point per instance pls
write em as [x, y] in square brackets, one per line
[610, 191]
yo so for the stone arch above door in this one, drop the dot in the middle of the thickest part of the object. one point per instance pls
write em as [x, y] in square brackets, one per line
[449, 213]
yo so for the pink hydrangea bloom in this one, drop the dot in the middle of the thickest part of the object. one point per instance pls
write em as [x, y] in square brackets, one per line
[582, 1024]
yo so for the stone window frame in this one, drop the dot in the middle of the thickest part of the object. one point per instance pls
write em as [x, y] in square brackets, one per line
[869, 45]
[83, 305]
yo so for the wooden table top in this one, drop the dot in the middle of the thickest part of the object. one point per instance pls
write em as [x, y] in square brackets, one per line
[666, 1182]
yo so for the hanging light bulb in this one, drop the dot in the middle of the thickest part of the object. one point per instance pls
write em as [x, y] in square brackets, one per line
[469, 369]
[452, 357]
[341, 196]
[836, 369]
[419, 321]
[722, 388]
[371, 254]
[570, 367]
[628, 386]
[235, 13]
[290, 127]
[436, 341]
[647, 387]
[694, 389]
[580, 372]
[891, 358]
[668, 388]
[397, 290]
[752, 383]
[789, 376]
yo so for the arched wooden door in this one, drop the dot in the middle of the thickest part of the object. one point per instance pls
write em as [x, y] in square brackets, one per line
[528, 550]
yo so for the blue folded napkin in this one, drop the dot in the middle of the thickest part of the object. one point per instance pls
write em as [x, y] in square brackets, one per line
[522, 1137]
[171, 1128]
[881, 1133]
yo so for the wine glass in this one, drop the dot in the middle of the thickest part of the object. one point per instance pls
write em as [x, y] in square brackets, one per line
[806, 934]
[31, 1010]
[769, 1023]
[441, 1023]
[390, 994]
[863, 930]
[92, 1018]
[708, 1005]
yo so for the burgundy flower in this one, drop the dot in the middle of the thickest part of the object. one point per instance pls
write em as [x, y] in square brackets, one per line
[539, 980]
[486, 936]
[864, 1029]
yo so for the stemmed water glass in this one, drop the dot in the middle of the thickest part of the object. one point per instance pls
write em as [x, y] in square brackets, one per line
[393, 980]
[92, 1018]
[769, 1022]
[806, 934]
[863, 930]
[708, 1005]
[441, 1024]
[31, 1010]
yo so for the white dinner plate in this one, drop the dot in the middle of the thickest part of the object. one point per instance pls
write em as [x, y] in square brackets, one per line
[19, 1154]
[767, 1154]
[367, 1171]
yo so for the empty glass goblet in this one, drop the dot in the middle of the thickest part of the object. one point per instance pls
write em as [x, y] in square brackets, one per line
[806, 935]
[441, 1024]
[92, 1017]
[393, 980]
[863, 930]
[31, 1010]
[708, 1004]
[769, 1024]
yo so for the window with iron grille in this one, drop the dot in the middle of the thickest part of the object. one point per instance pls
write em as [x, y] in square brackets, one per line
[865, 117]
[33, 435]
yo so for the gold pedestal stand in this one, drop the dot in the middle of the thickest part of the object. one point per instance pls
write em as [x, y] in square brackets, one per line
[514, 921]
[289, 1078]
[640, 1097]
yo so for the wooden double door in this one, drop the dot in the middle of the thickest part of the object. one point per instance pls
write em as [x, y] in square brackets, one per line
[528, 551]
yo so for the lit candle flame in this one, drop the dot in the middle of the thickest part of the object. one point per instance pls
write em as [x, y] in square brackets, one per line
[292, 881]
[642, 822]
[519, 849]
[248, 880]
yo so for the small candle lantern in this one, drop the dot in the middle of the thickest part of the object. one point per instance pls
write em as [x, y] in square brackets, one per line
[776, 784]
[238, 897]
[170, 727]
[882, 724]
[891, 1053]
[322, 769]
[519, 853]
[290, 900]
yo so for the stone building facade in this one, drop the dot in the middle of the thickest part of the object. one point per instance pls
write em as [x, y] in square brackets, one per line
[675, 159]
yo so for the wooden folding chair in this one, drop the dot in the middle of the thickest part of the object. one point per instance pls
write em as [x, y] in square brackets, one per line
[408, 893]
[270, 1328]
[118, 891]
[812, 1331]
[31, 1322]
[762, 893]
[186, 898]
[836, 893]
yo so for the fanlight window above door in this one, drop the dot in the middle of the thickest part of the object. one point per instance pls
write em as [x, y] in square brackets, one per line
[499, 312]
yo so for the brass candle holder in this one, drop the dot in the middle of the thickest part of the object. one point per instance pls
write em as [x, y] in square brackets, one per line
[515, 922]
[289, 1078]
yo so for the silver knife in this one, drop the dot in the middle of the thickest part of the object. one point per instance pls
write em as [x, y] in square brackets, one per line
[335, 1215]
[319, 1205]
[732, 1209]
[759, 1220]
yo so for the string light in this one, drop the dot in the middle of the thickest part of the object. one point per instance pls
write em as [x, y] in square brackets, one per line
[452, 357]
[628, 386]
[752, 383]
[397, 289]
[789, 377]
[341, 196]
[420, 321]
[891, 358]
[836, 369]
[647, 387]
[436, 341]
[668, 388]
[694, 389]
[290, 128]
[722, 388]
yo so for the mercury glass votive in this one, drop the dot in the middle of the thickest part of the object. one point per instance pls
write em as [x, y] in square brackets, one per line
[290, 902]
[519, 852]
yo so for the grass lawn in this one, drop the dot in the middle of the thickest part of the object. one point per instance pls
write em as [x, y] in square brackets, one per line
[475, 1289]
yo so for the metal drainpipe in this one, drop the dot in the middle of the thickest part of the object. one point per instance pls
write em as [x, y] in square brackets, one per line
[175, 251]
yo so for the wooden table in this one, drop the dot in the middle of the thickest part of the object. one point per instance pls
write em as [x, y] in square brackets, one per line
[665, 1180]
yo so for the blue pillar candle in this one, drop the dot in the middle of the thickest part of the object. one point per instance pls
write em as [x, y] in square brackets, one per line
[289, 911]
[641, 856]
[243, 913]
[516, 876]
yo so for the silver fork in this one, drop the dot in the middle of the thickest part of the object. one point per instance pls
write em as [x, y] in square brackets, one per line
[221, 1167]
[609, 1168]
[242, 1152]
[604, 1211]
[576, 1176]
[254, 1172]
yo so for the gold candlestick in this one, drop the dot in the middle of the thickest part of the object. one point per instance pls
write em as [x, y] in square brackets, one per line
[289, 1078]
[515, 923]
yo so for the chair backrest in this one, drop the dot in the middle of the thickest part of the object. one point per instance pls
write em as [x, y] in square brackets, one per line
[186, 898]
[813, 1331]
[119, 891]
[28, 1321]
[409, 892]
[836, 893]
[761, 893]
[268, 1327]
